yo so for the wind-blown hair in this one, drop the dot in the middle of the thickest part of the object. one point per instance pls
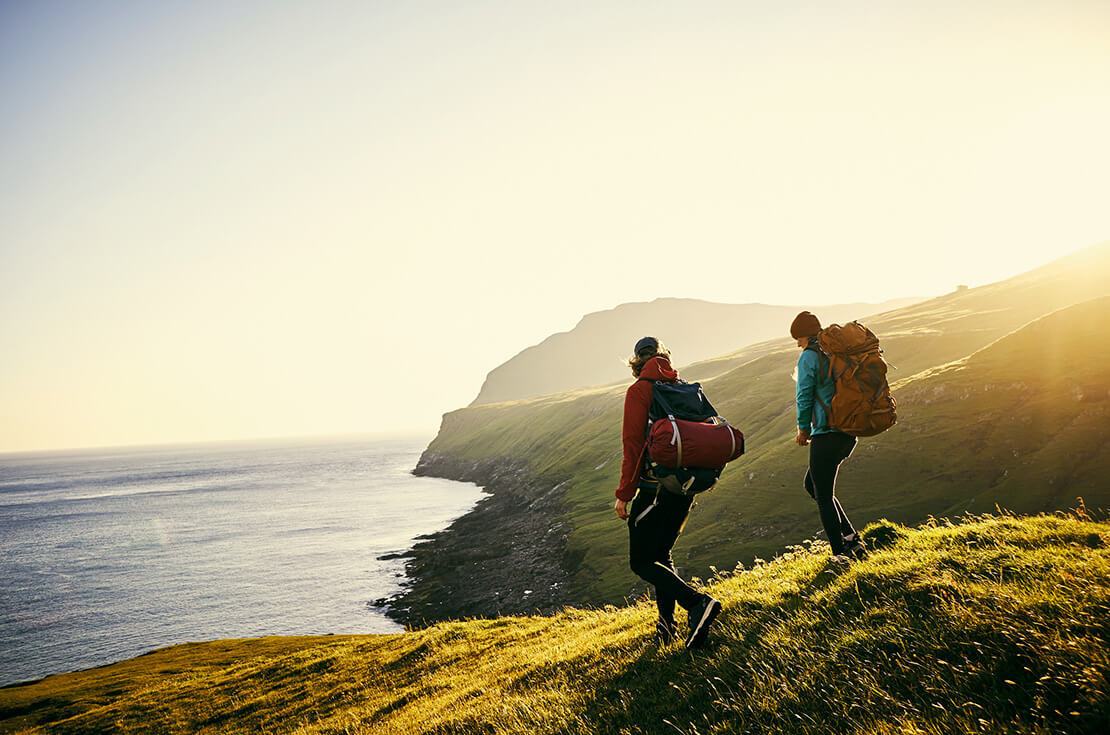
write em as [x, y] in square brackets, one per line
[637, 361]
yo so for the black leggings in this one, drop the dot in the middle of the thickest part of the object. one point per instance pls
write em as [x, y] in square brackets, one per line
[653, 528]
[826, 452]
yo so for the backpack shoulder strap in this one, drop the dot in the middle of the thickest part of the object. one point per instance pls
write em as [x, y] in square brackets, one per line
[822, 358]
[644, 461]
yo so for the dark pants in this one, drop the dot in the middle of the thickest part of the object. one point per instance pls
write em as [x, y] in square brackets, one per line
[826, 452]
[653, 528]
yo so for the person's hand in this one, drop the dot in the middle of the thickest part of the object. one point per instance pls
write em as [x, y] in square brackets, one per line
[802, 438]
[621, 509]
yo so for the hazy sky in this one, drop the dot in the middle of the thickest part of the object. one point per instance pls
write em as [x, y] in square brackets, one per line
[240, 219]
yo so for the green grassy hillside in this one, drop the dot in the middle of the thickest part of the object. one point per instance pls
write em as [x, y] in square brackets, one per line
[947, 435]
[990, 625]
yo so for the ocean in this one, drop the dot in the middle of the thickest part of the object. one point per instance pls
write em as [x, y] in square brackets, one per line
[107, 554]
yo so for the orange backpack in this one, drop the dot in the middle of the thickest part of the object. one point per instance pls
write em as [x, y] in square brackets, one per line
[863, 405]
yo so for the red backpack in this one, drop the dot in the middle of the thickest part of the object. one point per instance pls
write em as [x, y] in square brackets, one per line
[688, 444]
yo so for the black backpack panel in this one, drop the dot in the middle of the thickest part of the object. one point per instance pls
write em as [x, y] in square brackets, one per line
[681, 400]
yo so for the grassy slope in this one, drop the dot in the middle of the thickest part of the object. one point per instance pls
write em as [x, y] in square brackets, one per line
[759, 505]
[995, 624]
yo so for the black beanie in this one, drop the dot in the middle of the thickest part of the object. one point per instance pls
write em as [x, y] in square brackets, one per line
[647, 344]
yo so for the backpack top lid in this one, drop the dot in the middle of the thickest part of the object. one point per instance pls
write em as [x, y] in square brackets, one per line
[850, 339]
[679, 399]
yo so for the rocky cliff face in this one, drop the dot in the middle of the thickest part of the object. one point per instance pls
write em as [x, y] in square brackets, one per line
[506, 556]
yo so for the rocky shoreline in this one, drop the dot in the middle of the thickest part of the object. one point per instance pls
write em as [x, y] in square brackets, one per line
[507, 556]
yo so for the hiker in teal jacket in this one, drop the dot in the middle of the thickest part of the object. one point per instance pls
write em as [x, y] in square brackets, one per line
[815, 389]
[827, 446]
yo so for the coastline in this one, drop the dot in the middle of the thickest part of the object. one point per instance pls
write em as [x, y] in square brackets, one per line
[520, 556]
[310, 527]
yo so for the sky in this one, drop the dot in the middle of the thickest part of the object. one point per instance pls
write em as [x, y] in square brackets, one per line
[251, 219]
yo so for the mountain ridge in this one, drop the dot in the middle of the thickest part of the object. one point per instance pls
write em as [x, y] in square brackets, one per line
[692, 328]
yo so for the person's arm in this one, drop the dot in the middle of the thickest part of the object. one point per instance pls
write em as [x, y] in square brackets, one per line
[808, 366]
[636, 403]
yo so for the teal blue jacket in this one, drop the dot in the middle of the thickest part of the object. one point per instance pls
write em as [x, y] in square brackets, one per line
[814, 382]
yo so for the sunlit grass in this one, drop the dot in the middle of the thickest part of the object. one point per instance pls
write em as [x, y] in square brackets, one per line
[992, 624]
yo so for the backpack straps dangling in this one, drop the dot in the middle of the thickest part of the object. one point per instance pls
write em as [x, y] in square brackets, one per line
[676, 438]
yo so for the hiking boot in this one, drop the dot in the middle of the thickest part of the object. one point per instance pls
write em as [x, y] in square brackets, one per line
[701, 617]
[666, 632]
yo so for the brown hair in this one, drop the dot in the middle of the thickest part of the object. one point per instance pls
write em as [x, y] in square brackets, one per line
[637, 362]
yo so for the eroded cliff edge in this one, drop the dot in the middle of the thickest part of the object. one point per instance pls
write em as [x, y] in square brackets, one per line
[507, 556]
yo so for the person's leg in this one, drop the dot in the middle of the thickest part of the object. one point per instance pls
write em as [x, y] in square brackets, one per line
[671, 527]
[846, 528]
[808, 481]
[664, 601]
[652, 531]
[701, 609]
[847, 445]
[825, 455]
[641, 552]
[665, 605]
[666, 629]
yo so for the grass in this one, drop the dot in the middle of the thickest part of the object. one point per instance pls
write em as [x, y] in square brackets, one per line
[1000, 389]
[992, 624]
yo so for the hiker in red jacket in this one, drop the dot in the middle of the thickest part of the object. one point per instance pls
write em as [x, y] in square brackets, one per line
[656, 517]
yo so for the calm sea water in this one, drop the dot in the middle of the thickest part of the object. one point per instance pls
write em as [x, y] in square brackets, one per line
[105, 555]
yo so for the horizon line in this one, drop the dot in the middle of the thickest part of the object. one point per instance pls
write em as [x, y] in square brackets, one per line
[411, 434]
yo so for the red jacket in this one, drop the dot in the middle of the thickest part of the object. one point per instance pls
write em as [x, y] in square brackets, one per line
[637, 401]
